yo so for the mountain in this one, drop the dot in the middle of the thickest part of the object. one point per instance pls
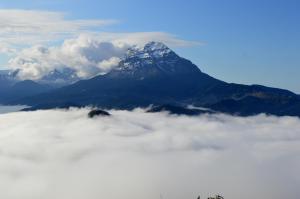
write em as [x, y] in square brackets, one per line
[251, 100]
[151, 75]
[21, 90]
[55, 78]
[7, 78]
[59, 77]
[13, 89]
[156, 75]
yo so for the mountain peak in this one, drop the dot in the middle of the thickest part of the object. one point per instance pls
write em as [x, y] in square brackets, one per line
[60, 77]
[153, 45]
[157, 49]
[154, 59]
[152, 50]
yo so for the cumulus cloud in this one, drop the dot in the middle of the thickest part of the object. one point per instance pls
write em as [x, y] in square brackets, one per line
[63, 154]
[88, 54]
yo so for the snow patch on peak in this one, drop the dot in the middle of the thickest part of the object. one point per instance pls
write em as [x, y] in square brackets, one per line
[157, 49]
[155, 46]
[64, 76]
[152, 50]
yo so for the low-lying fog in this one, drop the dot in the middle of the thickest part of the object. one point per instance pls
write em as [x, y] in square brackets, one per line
[9, 109]
[60, 154]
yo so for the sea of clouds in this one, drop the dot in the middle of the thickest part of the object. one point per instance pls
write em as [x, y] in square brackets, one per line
[59, 154]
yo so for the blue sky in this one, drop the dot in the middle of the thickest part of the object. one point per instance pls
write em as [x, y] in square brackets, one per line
[255, 41]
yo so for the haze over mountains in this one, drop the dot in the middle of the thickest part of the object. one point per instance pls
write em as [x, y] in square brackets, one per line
[152, 75]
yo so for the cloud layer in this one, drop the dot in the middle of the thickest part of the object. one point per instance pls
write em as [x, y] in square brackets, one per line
[30, 27]
[64, 155]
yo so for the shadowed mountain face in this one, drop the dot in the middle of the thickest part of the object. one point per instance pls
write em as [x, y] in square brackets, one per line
[157, 75]
[59, 78]
[11, 89]
[152, 75]
[13, 92]
[6, 79]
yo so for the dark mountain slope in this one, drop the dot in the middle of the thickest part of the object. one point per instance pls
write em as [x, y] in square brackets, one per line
[21, 90]
[156, 75]
[142, 78]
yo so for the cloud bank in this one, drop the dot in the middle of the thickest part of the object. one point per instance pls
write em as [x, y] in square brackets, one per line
[30, 27]
[63, 155]
[88, 54]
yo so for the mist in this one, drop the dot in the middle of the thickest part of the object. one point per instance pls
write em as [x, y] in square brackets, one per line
[9, 109]
[59, 154]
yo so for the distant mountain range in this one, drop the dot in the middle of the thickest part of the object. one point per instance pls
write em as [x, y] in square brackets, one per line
[151, 75]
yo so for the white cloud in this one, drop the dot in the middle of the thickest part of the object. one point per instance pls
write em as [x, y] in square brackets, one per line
[63, 154]
[31, 27]
[141, 38]
[6, 48]
[89, 54]
[84, 54]
[32, 40]
[21, 28]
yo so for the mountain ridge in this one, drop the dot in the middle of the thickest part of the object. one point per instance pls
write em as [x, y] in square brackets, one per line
[156, 75]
